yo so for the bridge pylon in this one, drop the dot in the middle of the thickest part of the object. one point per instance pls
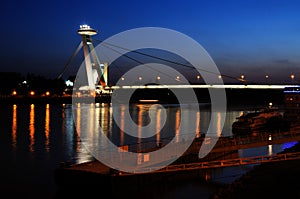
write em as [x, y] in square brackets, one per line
[97, 73]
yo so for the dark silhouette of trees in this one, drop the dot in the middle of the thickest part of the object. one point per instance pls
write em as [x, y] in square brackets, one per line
[13, 81]
[10, 81]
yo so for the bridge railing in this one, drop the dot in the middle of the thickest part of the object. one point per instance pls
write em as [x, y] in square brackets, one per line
[223, 163]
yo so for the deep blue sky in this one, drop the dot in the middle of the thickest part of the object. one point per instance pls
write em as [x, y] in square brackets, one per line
[254, 38]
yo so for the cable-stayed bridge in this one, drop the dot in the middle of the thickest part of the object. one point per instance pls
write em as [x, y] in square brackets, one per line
[97, 72]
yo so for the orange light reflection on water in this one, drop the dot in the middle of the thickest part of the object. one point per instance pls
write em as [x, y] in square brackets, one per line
[91, 124]
[198, 129]
[158, 125]
[140, 125]
[177, 125]
[219, 130]
[47, 127]
[14, 127]
[78, 123]
[122, 124]
[31, 128]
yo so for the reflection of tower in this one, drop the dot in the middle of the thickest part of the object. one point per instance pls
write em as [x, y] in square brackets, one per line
[96, 72]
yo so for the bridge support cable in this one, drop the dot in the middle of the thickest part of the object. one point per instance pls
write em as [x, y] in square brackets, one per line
[106, 44]
[70, 60]
[137, 61]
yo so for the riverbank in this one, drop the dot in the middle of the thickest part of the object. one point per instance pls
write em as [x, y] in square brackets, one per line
[268, 180]
[234, 97]
[52, 99]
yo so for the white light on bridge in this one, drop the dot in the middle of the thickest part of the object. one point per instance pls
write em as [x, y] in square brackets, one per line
[204, 86]
[69, 83]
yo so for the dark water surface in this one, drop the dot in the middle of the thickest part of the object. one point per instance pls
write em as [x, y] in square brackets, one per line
[36, 138]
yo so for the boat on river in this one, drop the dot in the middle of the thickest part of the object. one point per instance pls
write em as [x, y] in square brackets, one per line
[262, 120]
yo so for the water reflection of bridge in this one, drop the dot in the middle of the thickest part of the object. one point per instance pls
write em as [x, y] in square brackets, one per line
[227, 144]
[224, 144]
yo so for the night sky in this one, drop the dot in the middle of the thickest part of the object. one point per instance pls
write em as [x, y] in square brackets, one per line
[254, 38]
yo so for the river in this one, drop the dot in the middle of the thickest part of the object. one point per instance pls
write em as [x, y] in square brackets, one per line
[36, 138]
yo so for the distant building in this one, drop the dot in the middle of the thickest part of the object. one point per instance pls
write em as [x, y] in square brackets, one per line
[292, 104]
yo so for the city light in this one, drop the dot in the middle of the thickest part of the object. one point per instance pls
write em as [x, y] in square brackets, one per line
[85, 27]
[292, 77]
[69, 83]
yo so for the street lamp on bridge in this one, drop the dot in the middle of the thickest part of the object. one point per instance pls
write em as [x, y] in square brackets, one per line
[292, 77]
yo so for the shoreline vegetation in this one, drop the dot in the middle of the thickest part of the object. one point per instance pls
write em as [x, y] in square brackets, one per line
[267, 180]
